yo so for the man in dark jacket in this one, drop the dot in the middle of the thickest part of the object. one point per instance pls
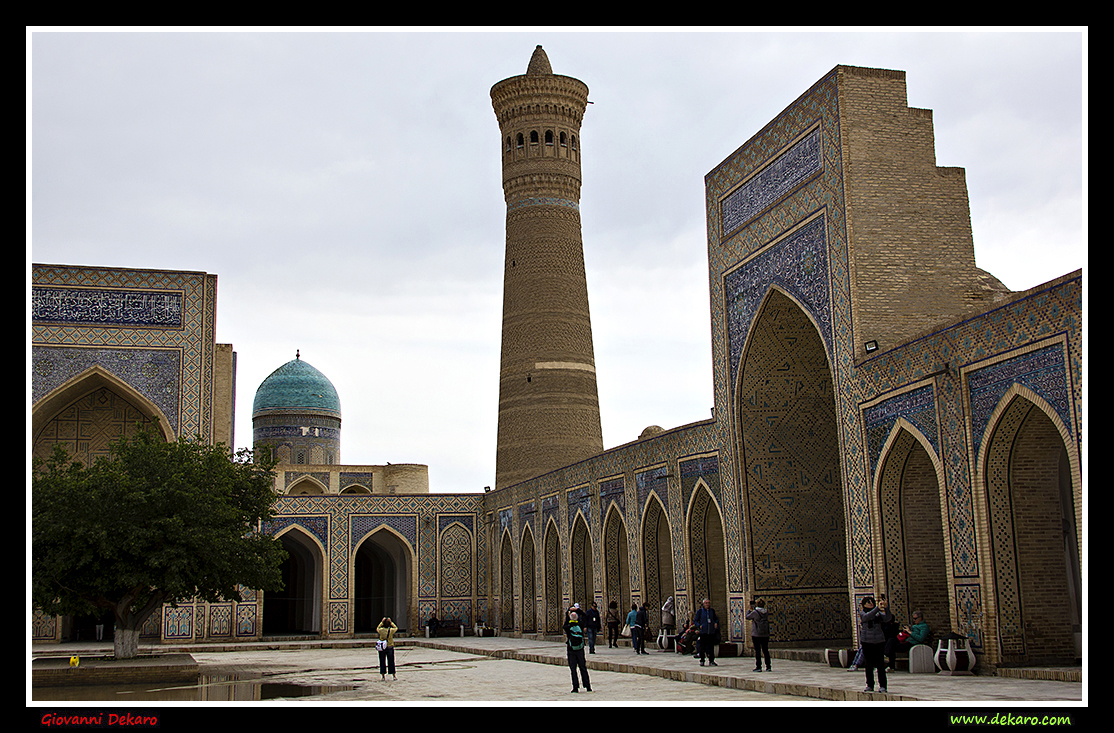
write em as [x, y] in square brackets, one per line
[707, 627]
[592, 624]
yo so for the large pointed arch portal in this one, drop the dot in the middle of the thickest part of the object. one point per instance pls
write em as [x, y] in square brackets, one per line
[296, 609]
[381, 581]
[89, 413]
[789, 464]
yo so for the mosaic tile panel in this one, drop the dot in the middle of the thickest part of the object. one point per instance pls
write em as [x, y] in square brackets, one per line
[776, 179]
[104, 307]
[220, 620]
[798, 265]
[653, 481]
[247, 620]
[579, 501]
[153, 373]
[456, 561]
[918, 406]
[193, 339]
[1042, 370]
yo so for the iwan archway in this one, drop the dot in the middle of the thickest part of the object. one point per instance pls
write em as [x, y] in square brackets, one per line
[911, 542]
[1031, 487]
[296, 609]
[89, 413]
[788, 452]
[381, 581]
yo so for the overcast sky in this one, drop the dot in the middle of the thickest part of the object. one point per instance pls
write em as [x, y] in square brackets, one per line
[345, 188]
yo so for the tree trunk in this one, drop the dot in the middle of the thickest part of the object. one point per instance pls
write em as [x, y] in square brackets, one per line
[126, 643]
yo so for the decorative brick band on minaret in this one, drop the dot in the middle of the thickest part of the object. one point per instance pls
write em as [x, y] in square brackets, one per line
[549, 413]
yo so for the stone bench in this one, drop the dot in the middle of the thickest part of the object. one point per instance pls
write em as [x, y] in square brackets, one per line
[918, 660]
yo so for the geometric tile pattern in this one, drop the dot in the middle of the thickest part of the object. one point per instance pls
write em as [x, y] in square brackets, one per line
[765, 188]
[183, 323]
[87, 428]
[789, 438]
[1041, 370]
[153, 373]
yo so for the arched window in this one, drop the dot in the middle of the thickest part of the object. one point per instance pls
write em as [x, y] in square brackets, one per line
[574, 142]
[564, 141]
[520, 141]
[508, 143]
[533, 137]
[549, 137]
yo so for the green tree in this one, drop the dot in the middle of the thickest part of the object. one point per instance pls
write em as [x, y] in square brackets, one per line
[153, 523]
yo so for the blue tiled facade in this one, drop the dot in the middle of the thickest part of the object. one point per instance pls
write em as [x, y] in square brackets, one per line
[785, 376]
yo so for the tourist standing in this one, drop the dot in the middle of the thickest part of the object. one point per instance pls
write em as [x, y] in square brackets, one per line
[574, 646]
[592, 626]
[635, 628]
[707, 627]
[614, 621]
[760, 633]
[873, 639]
[386, 647]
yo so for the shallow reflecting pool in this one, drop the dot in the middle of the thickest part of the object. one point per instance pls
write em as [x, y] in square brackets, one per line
[208, 688]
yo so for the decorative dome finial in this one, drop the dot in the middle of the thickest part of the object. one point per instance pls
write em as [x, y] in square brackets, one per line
[539, 63]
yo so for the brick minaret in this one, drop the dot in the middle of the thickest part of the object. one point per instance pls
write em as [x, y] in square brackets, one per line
[548, 406]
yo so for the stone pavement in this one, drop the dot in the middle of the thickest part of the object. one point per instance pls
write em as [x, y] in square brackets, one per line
[498, 669]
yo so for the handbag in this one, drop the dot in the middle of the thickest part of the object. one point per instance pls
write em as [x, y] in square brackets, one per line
[381, 645]
[902, 635]
[625, 633]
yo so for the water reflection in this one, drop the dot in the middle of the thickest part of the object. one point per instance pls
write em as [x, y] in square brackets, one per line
[209, 688]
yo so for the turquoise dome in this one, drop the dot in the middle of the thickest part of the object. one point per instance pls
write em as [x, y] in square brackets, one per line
[296, 387]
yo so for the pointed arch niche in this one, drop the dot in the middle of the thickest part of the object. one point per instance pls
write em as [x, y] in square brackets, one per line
[657, 560]
[529, 576]
[789, 465]
[707, 551]
[382, 568]
[616, 561]
[90, 412]
[506, 582]
[296, 609]
[554, 608]
[909, 487]
[583, 585]
[1032, 500]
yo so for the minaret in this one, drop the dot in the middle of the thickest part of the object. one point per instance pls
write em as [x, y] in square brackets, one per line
[549, 413]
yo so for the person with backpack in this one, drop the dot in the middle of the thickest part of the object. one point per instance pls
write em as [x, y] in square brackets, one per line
[574, 645]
